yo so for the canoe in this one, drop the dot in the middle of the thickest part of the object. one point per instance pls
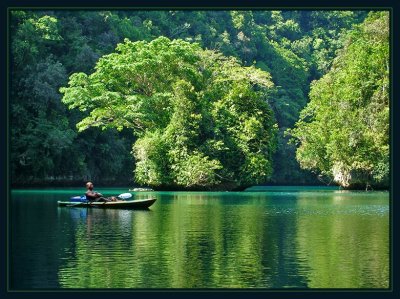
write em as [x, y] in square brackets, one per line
[120, 204]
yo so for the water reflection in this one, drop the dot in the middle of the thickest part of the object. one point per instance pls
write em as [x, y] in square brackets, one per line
[211, 240]
[346, 242]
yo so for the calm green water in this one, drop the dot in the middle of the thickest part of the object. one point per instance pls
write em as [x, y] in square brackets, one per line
[282, 238]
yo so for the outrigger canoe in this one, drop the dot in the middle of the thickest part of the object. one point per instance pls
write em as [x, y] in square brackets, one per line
[120, 204]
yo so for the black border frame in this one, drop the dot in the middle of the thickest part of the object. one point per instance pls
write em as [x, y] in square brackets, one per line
[391, 5]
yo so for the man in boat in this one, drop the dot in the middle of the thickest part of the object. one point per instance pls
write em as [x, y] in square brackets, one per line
[96, 196]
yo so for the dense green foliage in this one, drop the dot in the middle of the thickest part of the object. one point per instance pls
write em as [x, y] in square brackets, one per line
[201, 119]
[343, 133]
[295, 47]
[45, 146]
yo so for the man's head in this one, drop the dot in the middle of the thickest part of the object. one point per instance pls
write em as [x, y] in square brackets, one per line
[89, 185]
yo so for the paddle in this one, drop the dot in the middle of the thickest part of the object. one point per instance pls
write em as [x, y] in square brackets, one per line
[121, 196]
[125, 195]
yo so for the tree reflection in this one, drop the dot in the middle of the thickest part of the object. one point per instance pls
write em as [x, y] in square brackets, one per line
[343, 241]
[231, 240]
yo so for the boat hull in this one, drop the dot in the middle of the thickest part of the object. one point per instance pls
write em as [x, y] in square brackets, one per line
[121, 204]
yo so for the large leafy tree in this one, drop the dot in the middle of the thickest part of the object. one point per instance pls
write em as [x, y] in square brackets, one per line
[201, 118]
[47, 46]
[343, 132]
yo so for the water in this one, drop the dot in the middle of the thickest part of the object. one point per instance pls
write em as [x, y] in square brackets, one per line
[276, 239]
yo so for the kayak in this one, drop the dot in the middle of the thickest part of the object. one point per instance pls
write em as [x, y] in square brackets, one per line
[120, 204]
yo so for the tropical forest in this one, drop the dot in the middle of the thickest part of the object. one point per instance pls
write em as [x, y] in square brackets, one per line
[199, 99]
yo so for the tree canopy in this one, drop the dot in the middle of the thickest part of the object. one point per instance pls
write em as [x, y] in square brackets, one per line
[46, 46]
[201, 118]
[343, 132]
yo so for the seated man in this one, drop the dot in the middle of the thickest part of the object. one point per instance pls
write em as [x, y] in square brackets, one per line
[96, 196]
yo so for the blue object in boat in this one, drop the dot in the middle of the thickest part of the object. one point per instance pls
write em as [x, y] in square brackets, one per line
[78, 199]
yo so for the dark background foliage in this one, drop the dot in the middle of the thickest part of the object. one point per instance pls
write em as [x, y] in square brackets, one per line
[294, 46]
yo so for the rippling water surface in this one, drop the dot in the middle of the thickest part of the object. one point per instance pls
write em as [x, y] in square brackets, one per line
[276, 239]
